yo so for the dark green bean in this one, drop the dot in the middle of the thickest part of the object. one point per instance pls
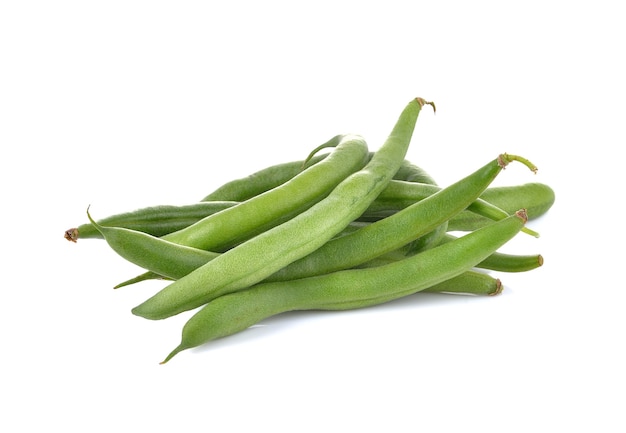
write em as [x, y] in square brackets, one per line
[348, 289]
[261, 256]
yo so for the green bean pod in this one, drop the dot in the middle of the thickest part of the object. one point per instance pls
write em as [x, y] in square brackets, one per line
[348, 289]
[537, 197]
[256, 183]
[155, 220]
[373, 240]
[496, 262]
[398, 229]
[399, 195]
[469, 283]
[407, 172]
[261, 181]
[225, 229]
[162, 257]
[261, 256]
[504, 262]
[165, 251]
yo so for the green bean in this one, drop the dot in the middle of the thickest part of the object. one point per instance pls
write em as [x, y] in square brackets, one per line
[165, 251]
[244, 188]
[504, 262]
[268, 178]
[155, 220]
[348, 289]
[496, 262]
[162, 257]
[537, 197]
[261, 256]
[165, 219]
[225, 229]
[469, 283]
[400, 228]
[363, 245]
[399, 195]
[408, 172]
[146, 276]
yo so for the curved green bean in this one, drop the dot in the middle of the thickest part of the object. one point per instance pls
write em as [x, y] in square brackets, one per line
[261, 256]
[469, 283]
[225, 229]
[155, 220]
[504, 262]
[398, 229]
[537, 197]
[495, 262]
[372, 240]
[162, 257]
[399, 195]
[346, 289]
[261, 181]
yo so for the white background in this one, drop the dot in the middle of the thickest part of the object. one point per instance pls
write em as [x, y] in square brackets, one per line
[125, 104]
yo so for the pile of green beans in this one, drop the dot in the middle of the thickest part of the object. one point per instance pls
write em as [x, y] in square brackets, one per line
[347, 229]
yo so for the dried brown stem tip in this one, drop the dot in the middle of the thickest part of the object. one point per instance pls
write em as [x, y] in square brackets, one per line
[522, 214]
[71, 235]
[423, 102]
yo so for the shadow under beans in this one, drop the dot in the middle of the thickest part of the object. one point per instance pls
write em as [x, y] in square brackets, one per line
[286, 322]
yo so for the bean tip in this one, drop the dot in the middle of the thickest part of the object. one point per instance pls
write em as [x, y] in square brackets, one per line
[505, 158]
[422, 102]
[522, 214]
[174, 352]
[499, 288]
[71, 234]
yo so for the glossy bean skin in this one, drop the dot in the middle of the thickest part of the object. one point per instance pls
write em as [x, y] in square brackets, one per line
[399, 229]
[261, 256]
[222, 230]
[348, 289]
[154, 220]
[538, 197]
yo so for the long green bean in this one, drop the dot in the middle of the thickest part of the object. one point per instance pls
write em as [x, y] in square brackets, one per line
[347, 289]
[261, 256]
